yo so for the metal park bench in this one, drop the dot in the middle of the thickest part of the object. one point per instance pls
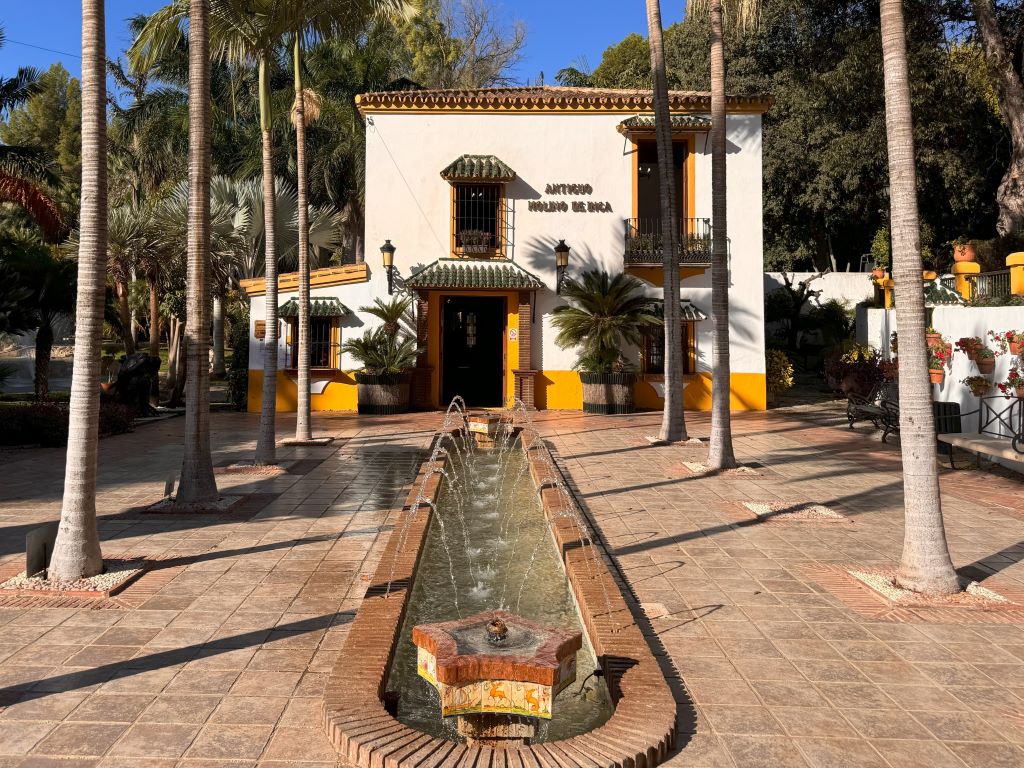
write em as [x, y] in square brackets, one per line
[1000, 432]
[881, 408]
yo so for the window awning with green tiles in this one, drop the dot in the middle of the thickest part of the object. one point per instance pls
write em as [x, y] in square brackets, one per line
[464, 274]
[322, 306]
[679, 123]
[478, 168]
[689, 312]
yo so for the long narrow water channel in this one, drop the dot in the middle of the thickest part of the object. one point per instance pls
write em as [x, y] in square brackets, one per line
[489, 547]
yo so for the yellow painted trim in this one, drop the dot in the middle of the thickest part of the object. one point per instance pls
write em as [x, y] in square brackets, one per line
[554, 389]
[511, 348]
[562, 390]
[656, 276]
[318, 278]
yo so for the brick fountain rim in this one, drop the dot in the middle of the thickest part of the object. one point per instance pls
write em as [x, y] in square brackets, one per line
[641, 731]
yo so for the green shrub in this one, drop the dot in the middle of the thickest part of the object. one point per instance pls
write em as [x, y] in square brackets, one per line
[779, 371]
[46, 424]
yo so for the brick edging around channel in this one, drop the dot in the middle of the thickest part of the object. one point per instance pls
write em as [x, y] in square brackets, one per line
[642, 728]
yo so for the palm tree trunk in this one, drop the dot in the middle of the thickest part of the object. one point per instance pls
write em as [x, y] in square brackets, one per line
[303, 417]
[197, 485]
[175, 332]
[76, 551]
[266, 448]
[925, 565]
[152, 277]
[673, 421]
[720, 452]
[217, 367]
[125, 314]
[44, 349]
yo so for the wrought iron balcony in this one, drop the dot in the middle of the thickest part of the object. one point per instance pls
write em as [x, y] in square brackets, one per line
[643, 244]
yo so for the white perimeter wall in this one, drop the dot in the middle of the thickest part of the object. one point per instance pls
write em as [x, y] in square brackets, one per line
[850, 287]
[875, 325]
[409, 203]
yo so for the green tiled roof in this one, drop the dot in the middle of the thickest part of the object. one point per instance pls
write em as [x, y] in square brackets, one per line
[679, 122]
[324, 306]
[463, 273]
[689, 312]
[478, 168]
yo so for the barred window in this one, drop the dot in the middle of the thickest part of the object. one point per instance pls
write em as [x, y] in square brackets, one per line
[653, 362]
[476, 212]
[323, 342]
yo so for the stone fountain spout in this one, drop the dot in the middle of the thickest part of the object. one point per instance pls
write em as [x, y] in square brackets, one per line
[496, 672]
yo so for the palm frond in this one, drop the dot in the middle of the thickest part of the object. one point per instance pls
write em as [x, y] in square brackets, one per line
[40, 206]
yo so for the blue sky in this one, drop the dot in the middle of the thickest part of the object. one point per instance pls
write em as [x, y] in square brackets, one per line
[559, 32]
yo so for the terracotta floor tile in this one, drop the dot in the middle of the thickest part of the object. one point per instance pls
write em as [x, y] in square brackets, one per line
[220, 741]
[81, 739]
[156, 740]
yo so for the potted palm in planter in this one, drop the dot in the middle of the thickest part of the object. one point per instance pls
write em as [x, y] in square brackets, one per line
[606, 313]
[387, 354]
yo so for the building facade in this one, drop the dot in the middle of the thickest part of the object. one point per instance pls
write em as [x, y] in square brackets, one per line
[475, 189]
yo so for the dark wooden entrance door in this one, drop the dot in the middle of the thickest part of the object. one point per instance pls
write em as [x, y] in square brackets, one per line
[473, 350]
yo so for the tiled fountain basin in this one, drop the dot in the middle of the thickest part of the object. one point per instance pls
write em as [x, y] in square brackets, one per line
[639, 733]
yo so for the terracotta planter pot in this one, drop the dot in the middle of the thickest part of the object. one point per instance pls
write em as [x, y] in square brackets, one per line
[937, 377]
[1020, 391]
[964, 252]
[985, 364]
[979, 391]
[933, 339]
[382, 394]
[878, 274]
[972, 355]
[607, 393]
[1016, 348]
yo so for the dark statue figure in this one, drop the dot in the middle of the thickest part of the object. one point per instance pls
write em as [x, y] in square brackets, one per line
[133, 383]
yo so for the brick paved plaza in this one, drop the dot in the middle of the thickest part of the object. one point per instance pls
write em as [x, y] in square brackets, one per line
[219, 654]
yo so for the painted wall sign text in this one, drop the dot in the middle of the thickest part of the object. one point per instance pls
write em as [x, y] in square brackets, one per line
[567, 206]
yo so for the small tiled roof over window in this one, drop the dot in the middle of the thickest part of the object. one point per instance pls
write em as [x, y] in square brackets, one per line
[478, 168]
[679, 123]
[689, 312]
[323, 306]
[465, 274]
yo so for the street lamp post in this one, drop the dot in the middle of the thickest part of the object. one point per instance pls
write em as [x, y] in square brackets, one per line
[387, 252]
[561, 264]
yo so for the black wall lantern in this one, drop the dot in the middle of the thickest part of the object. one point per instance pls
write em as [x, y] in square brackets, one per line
[562, 263]
[387, 252]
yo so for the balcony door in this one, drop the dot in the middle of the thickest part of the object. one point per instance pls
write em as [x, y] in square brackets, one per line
[648, 199]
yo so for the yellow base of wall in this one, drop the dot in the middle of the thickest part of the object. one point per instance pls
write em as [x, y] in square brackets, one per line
[555, 390]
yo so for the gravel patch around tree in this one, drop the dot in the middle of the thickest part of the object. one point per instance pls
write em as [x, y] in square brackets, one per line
[884, 583]
[790, 510]
[116, 573]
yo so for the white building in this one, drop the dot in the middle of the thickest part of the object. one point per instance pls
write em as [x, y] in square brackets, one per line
[476, 188]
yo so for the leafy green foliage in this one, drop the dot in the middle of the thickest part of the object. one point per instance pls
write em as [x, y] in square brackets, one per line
[825, 163]
[779, 371]
[606, 313]
[395, 313]
[381, 352]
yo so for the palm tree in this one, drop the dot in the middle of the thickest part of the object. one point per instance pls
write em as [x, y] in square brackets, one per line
[673, 421]
[606, 313]
[744, 14]
[925, 565]
[197, 486]
[323, 15]
[76, 551]
[242, 32]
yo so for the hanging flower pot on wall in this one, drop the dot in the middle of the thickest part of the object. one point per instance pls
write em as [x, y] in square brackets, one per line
[937, 376]
[985, 359]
